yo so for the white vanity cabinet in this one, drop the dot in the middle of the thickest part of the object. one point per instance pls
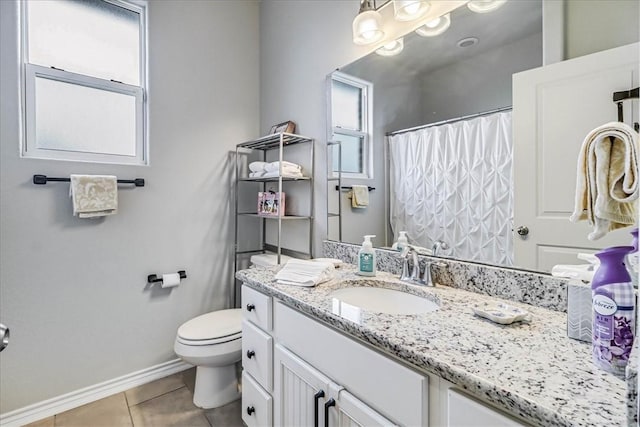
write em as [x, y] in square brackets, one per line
[300, 372]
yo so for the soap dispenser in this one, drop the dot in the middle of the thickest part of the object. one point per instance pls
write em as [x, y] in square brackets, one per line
[613, 302]
[402, 241]
[367, 258]
[633, 259]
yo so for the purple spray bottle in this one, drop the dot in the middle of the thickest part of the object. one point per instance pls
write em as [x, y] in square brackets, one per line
[613, 311]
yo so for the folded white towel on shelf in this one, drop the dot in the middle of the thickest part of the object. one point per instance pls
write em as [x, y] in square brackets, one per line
[286, 166]
[300, 272]
[259, 174]
[607, 187]
[287, 174]
[94, 195]
[257, 166]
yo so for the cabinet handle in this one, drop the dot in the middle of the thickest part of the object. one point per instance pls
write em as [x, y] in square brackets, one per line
[250, 353]
[250, 410]
[251, 307]
[331, 402]
[316, 398]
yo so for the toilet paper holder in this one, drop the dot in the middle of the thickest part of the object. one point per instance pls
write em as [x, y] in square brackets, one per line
[153, 278]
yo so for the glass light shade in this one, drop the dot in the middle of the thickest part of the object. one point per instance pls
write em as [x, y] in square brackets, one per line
[367, 27]
[409, 10]
[392, 48]
[484, 6]
[435, 27]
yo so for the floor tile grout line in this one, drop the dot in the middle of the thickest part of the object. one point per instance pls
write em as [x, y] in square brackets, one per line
[126, 400]
[160, 395]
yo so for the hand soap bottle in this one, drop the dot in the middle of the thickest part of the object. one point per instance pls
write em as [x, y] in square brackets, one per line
[402, 241]
[633, 259]
[613, 311]
[367, 258]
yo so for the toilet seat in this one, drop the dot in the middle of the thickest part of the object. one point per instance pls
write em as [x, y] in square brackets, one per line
[212, 328]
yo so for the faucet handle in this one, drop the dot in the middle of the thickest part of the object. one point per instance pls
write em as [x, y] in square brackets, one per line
[405, 269]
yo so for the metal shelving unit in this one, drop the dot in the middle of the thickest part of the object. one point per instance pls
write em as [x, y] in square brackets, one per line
[338, 179]
[280, 142]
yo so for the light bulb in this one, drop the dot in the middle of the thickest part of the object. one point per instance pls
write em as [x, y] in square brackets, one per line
[367, 27]
[409, 10]
[435, 27]
[484, 6]
[392, 48]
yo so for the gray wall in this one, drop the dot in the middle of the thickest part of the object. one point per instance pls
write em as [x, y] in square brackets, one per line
[597, 25]
[73, 291]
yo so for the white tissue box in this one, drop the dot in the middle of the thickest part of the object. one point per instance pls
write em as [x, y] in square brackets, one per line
[579, 311]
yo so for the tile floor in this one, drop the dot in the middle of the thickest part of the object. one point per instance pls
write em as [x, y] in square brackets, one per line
[162, 403]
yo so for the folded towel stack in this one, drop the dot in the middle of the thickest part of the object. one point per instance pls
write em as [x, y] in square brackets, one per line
[270, 170]
[607, 187]
[359, 196]
[300, 272]
[94, 195]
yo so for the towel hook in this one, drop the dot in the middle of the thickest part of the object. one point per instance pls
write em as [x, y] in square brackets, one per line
[618, 97]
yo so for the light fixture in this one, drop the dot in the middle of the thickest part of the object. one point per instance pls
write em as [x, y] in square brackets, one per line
[435, 27]
[392, 48]
[409, 10]
[484, 6]
[367, 26]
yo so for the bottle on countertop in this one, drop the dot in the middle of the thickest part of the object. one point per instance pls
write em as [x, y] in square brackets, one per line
[367, 258]
[633, 260]
[613, 302]
[401, 243]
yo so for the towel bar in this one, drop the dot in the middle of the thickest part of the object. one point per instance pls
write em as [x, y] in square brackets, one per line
[43, 179]
[348, 187]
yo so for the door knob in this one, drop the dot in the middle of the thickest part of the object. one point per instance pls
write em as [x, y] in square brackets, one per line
[4, 336]
[523, 230]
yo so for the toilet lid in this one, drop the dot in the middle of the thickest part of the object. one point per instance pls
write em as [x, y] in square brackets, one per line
[217, 324]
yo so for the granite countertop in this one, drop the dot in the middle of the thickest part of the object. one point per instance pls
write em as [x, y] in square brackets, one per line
[532, 370]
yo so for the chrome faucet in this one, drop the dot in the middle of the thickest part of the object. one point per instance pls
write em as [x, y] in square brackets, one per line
[414, 277]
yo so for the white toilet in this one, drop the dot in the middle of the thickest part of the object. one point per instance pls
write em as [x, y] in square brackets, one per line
[213, 343]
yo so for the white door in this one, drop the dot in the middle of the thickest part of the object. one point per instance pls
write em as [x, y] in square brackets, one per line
[300, 391]
[554, 107]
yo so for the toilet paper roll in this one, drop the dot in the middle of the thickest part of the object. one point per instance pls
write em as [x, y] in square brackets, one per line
[170, 280]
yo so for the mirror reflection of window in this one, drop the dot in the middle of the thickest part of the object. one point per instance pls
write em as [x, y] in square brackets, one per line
[350, 100]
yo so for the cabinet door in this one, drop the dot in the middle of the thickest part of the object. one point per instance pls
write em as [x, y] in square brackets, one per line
[465, 412]
[300, 391]
[351, 412]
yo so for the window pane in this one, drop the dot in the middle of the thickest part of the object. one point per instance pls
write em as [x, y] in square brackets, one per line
[346, 105]
[90, 37]
[71, 117]
[351, 153]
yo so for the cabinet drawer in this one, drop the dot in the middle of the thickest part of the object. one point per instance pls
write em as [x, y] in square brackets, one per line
[257, 308]
[256, 403]
[465, 412]
[367, 374]
[257, 354]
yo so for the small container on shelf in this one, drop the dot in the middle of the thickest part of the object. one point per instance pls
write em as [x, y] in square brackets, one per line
[271, 203]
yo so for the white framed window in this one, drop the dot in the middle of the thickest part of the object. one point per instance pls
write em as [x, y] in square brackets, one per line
[350, 116]
[84, 75]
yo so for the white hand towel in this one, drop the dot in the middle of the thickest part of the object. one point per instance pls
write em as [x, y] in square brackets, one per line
[359, 196]
[94, 195]
[275, 166]
[304, 273]
[259, 174]
[607, 186]
[257, 166]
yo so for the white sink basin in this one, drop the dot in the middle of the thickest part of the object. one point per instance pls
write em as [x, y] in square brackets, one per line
[382, 300]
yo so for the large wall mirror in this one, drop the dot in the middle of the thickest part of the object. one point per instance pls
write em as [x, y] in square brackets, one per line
[429, 131]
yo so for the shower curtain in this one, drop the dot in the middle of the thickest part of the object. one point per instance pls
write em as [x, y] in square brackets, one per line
[454, 183]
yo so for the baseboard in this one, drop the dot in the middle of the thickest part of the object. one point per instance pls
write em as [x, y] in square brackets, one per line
[62, 403]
